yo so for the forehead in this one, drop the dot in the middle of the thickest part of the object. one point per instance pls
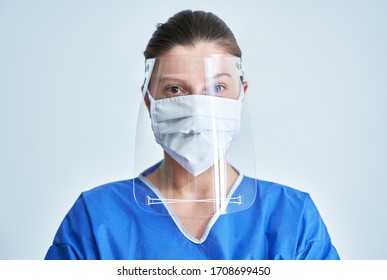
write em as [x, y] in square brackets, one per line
[208, 66]
[201, 49]
[203, 57]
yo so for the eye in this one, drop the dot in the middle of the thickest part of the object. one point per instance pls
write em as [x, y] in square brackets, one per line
[215, 89]
[174, 90]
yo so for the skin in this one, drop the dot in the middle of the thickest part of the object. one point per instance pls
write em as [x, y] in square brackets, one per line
[194, 217]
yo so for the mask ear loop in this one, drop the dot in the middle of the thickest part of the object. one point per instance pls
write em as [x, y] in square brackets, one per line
[152, 100]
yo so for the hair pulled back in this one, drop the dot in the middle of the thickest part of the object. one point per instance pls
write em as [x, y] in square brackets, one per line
[188, 28]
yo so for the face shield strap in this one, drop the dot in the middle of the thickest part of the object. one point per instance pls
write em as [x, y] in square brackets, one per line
[154, 201]
[223, 205]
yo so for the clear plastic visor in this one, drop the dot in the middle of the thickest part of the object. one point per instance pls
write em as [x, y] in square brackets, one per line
[187, 135]
[176, 76]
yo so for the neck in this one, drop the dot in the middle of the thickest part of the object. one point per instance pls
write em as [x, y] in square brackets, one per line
[176, 182]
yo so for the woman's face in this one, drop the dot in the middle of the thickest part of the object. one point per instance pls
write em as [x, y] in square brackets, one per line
[201, 69]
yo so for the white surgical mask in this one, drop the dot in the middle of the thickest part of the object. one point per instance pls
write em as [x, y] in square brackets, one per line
[195, 130]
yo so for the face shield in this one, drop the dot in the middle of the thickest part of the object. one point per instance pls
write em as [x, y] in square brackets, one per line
[194, 130]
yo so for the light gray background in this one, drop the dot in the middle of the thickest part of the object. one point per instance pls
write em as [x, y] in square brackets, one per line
[70, 73]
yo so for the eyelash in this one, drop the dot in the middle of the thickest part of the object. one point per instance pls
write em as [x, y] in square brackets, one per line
[218, 85]
[169, 88]
[182, 91]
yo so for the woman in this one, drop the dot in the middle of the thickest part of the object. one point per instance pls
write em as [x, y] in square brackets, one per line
[194, 204]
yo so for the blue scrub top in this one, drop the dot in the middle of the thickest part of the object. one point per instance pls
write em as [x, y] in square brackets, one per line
[107, 223]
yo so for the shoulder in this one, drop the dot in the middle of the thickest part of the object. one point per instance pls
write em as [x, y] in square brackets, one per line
[101, 196]
[271, 192]
[274, 199]
[284, 204]
[109, 190]
[108, 204]
[111, 197]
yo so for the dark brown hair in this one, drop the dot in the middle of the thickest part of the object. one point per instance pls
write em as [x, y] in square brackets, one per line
[188, 28]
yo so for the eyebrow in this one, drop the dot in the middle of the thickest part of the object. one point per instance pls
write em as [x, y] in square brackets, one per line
[167, 78]
[222, 74]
